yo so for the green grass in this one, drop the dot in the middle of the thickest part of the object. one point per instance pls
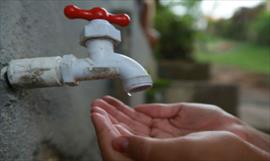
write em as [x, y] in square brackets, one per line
[245, 56]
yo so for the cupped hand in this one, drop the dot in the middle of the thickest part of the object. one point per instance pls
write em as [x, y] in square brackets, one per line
[188, 131]
[169, 120]
[106, 132]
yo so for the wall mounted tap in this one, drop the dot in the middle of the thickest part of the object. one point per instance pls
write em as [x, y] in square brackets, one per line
[99, 37]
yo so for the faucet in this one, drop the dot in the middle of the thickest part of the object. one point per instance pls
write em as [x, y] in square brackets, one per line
[99, 37]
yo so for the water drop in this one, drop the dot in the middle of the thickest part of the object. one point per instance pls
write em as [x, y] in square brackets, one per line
[129, 94]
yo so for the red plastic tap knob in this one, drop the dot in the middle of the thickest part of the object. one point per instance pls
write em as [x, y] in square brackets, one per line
[74, 12]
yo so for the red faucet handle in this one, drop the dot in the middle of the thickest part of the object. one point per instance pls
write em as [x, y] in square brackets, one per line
[74, 12]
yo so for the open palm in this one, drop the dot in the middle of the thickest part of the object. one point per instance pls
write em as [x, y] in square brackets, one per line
[166, 120]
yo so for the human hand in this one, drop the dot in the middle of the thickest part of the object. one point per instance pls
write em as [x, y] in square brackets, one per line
[106, 132]
[209, 145]
[129, 122]
[178, 119]
[169, 120]
[214, 145]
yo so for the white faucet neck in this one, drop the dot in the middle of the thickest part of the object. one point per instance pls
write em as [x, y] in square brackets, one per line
[99, 48]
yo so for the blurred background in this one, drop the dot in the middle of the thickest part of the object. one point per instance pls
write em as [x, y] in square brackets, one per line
[209, 51]
[215, 52]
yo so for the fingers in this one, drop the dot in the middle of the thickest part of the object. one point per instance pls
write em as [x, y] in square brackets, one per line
[159, 110]
[120, 127]
[119, 116]
[114, 121]
[127, 110]
[143, 148]
[126, 127]
[186, 116]
[104, 113]
[105, 134]
[102, 122]
[124, 131]
[119, 105]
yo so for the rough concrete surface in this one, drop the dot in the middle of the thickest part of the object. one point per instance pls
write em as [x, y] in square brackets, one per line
[55, 117]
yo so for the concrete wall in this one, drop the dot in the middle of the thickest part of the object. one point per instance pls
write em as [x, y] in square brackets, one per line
[52, 121]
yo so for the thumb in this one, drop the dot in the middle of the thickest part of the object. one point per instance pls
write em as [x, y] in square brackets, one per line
[149, 149]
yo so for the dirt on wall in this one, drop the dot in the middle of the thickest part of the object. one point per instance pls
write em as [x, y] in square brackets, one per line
[47, 123]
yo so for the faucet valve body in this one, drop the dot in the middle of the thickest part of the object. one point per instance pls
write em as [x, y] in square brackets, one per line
[98, 37]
